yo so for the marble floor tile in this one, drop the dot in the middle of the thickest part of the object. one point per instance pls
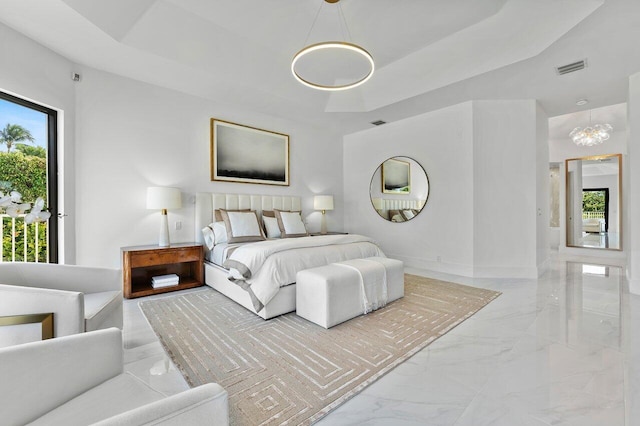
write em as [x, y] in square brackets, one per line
[558, 351]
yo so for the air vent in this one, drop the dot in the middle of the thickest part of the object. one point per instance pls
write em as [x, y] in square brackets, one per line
[378, 122]
[576, 66]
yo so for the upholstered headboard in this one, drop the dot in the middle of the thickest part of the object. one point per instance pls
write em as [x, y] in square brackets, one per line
[207, 202]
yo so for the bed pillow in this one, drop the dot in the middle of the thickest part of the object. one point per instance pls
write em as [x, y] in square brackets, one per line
[271, 226]
[242, 226]
[408, 214]
[290, 224]
[217, 215]
[209, 239]
[214, 233]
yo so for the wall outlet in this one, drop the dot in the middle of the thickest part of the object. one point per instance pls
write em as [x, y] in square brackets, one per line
[178, 225]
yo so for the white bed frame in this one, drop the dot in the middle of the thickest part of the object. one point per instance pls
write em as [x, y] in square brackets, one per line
[216, 277]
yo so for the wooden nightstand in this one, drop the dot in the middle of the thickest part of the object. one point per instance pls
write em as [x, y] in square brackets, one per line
[141, 263]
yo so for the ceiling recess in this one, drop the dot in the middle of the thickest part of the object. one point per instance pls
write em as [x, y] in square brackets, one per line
[576, 66]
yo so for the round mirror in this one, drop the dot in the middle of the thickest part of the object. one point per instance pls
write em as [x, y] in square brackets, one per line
[399, 189]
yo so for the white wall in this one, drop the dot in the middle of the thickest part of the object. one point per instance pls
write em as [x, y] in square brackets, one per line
[480, 219]
[543, 190]
[33, 72]
[631, 197]
[132, 135]
[441, 236]
[505, 194]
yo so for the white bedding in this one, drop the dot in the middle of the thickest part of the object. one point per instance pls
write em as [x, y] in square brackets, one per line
[263, 267]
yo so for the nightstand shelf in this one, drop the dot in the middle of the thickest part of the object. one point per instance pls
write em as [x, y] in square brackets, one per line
[141, 263]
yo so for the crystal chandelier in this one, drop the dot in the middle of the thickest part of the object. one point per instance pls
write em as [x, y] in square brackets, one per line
[590, 136]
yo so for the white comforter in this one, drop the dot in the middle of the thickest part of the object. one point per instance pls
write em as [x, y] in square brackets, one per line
[268, 265]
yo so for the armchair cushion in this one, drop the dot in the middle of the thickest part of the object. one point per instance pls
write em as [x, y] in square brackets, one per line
[79, 380]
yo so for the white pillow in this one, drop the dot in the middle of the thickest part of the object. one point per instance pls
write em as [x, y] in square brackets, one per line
[408, 214]
[271, 225]
[291, 224]
[209, 239]
[242, 226]
[214, 233]
[219, 232]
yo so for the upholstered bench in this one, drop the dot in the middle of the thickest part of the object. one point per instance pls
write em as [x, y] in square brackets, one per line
[331, 294]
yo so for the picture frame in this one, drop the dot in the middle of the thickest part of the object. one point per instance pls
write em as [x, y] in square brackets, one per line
[247, 154]
[396, 177]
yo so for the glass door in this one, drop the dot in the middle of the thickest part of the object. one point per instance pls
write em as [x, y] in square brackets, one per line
[28, 166]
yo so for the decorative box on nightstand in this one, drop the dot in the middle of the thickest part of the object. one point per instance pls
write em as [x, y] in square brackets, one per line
[141, 263]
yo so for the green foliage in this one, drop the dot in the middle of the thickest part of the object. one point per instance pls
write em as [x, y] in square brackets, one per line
[25, 174]
[593, 201]
[13, 133]
[34, 151]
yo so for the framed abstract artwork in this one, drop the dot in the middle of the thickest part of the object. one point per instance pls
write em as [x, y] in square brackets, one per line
[396, 177]
[248, 155]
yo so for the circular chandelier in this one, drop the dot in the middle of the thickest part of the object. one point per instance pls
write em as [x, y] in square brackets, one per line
[590, 136]
[342, 47]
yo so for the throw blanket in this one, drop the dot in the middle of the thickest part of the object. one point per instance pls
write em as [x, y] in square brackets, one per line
[373, 282]
[263, 267]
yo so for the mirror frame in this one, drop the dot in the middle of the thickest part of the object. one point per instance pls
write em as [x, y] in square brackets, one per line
[620, 199]
[395, 157]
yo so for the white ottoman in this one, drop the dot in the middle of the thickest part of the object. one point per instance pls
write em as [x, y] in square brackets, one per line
[331, 294]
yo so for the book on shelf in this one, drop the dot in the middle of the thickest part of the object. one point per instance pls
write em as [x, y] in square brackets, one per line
[165, 281]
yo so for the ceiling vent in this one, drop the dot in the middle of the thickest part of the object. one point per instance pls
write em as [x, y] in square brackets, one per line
[378, 122]
[576, 66]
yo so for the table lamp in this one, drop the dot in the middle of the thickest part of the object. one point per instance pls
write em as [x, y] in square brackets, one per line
[163, 198]
[324, 203]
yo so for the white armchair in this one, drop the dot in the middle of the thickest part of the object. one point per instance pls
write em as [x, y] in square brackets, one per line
[80, 380]
[81, 298]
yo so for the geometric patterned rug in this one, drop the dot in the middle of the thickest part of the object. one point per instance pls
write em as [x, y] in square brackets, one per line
[287, 370]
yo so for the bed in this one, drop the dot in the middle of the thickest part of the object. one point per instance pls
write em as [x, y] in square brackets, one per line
[273, 283]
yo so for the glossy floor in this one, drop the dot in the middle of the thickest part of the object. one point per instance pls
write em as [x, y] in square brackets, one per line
[552, 351]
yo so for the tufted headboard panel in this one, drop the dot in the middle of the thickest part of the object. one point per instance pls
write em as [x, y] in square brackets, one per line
[207, 202]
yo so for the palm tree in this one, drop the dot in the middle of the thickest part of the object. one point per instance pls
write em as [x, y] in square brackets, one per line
[13, 133]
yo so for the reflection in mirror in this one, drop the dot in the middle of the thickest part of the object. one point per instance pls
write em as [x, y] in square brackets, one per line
[593, 202]
[399, 189]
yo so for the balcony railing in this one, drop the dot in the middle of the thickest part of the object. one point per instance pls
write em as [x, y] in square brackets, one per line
[593, 215]
[22, 242]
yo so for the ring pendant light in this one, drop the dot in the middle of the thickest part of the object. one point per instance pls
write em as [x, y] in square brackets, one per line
[338, 45]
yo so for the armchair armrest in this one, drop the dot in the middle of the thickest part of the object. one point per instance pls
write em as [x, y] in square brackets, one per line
[71, 277]
[32, 373]
[67, 306]
[204, 405]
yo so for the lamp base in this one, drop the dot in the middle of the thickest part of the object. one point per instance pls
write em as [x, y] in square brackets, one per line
[323, 223]
[163, 240]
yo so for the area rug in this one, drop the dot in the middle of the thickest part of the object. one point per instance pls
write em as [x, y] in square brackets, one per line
[287, 370]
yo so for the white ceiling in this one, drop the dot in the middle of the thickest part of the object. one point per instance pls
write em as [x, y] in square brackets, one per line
[429, 53]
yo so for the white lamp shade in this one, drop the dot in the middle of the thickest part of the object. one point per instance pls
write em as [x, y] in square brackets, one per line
[323, 202]
[160, 197]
